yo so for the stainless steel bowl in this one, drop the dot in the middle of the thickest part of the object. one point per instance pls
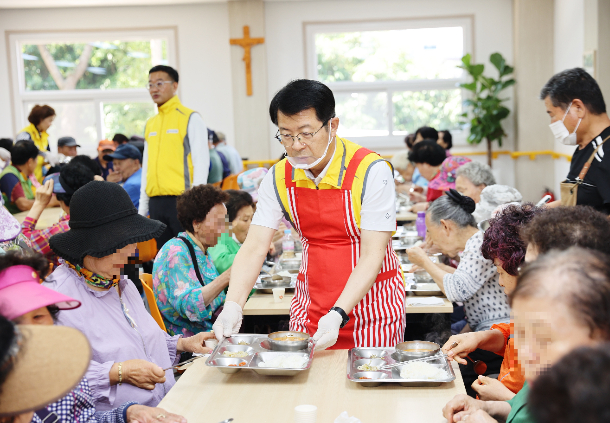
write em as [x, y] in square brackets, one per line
[421, 276]
[276, 280]
[287, 345]
[409, 241]
[411, 350]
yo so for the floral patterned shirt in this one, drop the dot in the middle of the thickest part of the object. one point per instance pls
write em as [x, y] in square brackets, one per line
[178, 291]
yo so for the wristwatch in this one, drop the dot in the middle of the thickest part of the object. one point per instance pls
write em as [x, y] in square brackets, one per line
[343, 314]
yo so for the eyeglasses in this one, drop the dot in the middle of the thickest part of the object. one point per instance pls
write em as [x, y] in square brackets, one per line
[158, 84]
[287, 140]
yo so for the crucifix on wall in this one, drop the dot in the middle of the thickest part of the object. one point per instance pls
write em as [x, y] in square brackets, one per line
[247, 43]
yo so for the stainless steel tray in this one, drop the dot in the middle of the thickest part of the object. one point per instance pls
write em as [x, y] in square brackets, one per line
[424, 289]
[385, 356]
[258, 350]
[268, 288]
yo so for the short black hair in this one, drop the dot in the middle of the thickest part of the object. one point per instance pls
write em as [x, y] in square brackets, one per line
[447, 138]
[409, 140]
[564, 87]
[194, 204]
[303, 94]
[36, 261]
[7, 339]
[6, 143]
[575, 389]
[427, 133]
[88, 162]
[23, 151]
[171, 72]
[120, 138]
[428, 151]
[73, 176]
[237, 201]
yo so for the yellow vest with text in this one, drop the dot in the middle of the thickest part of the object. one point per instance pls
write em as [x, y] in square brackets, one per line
[344, 151]
[41, 140]
[169, 164]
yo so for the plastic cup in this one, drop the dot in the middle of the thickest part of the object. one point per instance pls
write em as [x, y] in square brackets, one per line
[305, 413]
[211, 343]
[278, 294]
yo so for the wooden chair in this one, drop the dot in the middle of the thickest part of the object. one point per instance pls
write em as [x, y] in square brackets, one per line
[147, 250]
[147, 284]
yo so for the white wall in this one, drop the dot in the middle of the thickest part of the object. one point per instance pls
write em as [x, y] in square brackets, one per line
[569, 33]
[286, 48]
[203, 51]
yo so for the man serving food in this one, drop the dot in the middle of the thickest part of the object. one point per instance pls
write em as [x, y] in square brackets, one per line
[340, 198]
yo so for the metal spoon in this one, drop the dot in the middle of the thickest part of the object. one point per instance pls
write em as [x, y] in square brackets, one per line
[227, 421]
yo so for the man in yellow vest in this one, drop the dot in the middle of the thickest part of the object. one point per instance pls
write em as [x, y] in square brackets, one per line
[176, 155]
[340, 198]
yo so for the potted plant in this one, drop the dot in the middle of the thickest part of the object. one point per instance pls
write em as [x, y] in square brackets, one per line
[485, 107]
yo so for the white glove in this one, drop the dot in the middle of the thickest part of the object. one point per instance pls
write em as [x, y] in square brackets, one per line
[228, 321]
[328, 330]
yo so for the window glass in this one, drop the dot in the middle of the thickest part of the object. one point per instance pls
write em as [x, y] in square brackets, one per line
[439, 109]
[393, 55]
[107, 64]
[362, 114]
[126, 118]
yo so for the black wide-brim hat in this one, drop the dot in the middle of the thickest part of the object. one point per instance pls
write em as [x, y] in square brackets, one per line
[102, 221]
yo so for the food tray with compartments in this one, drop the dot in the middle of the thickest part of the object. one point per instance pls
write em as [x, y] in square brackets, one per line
[257, 348]
[378, 357]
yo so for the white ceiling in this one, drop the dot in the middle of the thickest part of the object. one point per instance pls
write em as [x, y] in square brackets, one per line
[21, 4]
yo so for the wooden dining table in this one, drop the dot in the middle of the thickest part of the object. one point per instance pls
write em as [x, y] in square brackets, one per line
[205, 395]
[264, 305]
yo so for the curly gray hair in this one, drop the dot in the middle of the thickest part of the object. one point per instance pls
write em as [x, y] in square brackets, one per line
[478, 173]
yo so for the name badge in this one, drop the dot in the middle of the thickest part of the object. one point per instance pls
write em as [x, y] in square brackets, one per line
[172, 131]
[152, 134]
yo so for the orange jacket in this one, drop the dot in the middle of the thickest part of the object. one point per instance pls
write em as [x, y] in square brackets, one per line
[511, 374]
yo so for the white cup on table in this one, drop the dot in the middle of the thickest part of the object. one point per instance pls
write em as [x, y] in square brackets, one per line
[305, 414]
[278, 294]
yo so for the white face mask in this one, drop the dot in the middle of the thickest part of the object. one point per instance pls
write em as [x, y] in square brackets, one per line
[306, 162]
[560, 131]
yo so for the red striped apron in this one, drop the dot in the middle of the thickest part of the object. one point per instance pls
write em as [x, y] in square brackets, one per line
[331, 248]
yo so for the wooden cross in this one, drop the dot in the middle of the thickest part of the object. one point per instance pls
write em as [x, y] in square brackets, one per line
[247, 43]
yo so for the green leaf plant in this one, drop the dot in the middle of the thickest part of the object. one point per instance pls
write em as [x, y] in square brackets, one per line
[485, 109]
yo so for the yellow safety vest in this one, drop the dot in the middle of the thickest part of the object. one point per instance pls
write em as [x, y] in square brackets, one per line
[169, 164]
[41, 140]
[344, 151]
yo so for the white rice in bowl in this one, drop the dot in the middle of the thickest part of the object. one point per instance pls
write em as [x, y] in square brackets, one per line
[422, 371]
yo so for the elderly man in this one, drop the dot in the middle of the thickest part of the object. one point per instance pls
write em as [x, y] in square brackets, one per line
[175, 155]
[67, 146]
[340, 198]
[127, 162]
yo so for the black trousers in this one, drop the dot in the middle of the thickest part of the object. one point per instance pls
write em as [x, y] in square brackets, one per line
[493, 361]
[163, 209]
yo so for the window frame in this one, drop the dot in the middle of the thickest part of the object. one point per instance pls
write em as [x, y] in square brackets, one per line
[391, 141]
[20, 96]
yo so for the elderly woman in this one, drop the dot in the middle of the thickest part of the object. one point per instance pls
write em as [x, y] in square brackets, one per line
[26, 302]
[562, 302]
[472, 178]
[452, 229]
[492, 197]
[188, 288]
[503, 246]
[129, 349]
[240, 209]
[430, 159]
